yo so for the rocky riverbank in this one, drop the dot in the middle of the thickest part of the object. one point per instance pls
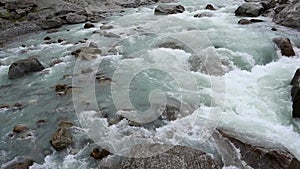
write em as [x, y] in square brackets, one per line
[19, 17]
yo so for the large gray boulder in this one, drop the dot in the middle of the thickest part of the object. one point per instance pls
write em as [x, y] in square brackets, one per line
[289, 16]
[260, 157]
[177, 157]
[25, 66]
[249, 9]
[168, 9]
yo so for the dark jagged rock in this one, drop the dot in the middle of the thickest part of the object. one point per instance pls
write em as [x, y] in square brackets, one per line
[256, 20]
[176, 157]
[88, 25]
[210, 7]
[289, 16]
[97, 154]
[23, 67]
[61, 139]
[259, 157]
[168, 9]
[47, 38]
[285, 45]
[19, 163]
[249, 9]
[295, 93]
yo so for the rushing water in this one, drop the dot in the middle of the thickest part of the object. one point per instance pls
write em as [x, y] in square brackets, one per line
[247, 90]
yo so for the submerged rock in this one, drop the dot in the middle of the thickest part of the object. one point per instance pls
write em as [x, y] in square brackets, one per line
[285, 45]
[19, 163]
[87, 53]
[25, 66]
[289, 16]
[244, 22]
[249, 9]
[200, 15]
[61, 139]
[106, 27]
[177, 157]
[168, 9]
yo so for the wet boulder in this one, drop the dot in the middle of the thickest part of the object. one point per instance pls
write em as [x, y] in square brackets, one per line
[260, 157]
[175, 157]
[25, 66]
[88, 25]
[285, 46]
[19, 163]
[61, 139]
[168, 9]
[210, 7]
[249, 9]
[290, 15]
[295, 93]
[20, 128]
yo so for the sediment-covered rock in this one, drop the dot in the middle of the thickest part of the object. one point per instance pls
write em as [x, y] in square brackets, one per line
[23, 67]
[61, 139]
[168, 9]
